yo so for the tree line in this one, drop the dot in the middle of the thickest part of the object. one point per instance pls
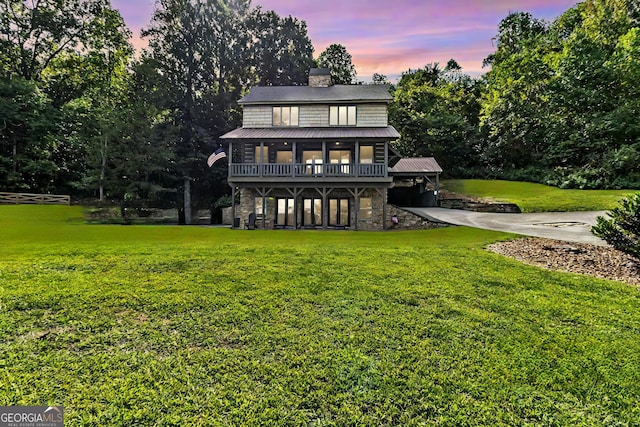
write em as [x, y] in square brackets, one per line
[559, 105]
[80, 113]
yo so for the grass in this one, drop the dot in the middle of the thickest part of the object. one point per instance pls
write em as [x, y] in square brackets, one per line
[537, 197]
[167, 325]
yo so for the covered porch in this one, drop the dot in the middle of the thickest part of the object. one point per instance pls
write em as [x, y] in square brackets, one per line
[344, 207]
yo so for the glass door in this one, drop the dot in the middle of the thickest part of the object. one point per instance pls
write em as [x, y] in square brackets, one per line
[285, 212]
[313, 160]
[342, 158]
[312, 212]
[339, 212]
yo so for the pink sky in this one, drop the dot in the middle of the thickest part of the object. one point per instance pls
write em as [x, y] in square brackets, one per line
[390, 36]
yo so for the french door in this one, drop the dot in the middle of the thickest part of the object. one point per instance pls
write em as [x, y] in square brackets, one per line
[339, 212]
[285, 212]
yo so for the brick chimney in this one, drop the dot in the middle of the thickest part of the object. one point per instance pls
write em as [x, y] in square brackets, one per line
[320, 77]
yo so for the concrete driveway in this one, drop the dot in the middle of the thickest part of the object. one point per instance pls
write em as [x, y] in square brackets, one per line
[567, 226]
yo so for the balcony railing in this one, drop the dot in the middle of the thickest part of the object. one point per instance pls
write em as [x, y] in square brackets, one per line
[308, 170]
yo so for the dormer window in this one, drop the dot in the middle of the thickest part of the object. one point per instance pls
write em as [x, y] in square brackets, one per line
[285, 116]
[342, 115]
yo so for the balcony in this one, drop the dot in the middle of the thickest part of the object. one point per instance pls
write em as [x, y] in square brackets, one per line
[308, 170]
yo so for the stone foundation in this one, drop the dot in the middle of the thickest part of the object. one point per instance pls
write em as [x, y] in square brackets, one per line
[406, 220]
[409, 221]
[479, 206]
[248, 204]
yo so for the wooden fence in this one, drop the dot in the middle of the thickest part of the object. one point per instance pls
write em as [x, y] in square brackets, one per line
[34, 199]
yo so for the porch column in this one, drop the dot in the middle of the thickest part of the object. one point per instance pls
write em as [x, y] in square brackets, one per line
[233, 205]
[261, 166]
[325, 209]
[386, 159]
[264, 208]
[356, 159]
[294, 157]
[325, 156]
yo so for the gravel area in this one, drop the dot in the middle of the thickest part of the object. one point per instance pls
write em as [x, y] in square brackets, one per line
[598, 261]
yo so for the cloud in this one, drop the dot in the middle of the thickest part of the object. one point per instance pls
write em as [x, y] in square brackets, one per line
[390, 37]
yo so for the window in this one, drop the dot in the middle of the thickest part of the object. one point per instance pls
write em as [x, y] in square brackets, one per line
[314, 161]
[341, 157]
[259, 207]
[262, 154]
[342, 115]
[366, 154]
[285, 116]
[284, 214]
[283, 156]
[366, 208]
[339, 212]
[312, 212]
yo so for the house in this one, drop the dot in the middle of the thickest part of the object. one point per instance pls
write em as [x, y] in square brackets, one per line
[317, 156]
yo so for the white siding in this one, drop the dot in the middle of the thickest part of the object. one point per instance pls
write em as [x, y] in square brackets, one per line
[257, 116]
[314, 116]
[372, 115]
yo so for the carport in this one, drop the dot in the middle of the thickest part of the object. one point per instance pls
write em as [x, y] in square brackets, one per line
[416, 182]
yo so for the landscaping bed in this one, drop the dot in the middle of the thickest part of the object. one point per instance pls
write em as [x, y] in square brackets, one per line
[580, 258]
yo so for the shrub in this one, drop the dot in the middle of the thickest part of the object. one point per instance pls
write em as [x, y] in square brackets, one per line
[622, 231]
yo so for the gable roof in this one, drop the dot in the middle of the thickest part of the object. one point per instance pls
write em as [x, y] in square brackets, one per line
[415, 166]
[307, 94]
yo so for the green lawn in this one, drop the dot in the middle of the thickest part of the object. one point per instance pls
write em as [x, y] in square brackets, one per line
[537, 197]
[167, 325]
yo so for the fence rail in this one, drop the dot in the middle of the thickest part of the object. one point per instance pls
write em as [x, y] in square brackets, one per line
[34, 199]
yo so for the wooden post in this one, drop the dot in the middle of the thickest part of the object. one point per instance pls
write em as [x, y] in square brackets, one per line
[187, 200]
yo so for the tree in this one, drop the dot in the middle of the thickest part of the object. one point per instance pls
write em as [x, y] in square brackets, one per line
[282, 51]
[35, 33]
[380, 79]
[27, 122]
[200, 49]
[622, 230]
[560, 98]
[436, 113]
[336, 58]
[67, 50]
[514, 110]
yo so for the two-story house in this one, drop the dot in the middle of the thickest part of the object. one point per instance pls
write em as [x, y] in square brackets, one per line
[313, 156]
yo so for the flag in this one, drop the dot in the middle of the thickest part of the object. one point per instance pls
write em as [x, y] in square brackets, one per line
[217, 155]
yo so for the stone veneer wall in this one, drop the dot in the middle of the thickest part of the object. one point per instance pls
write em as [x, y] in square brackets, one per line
[247, 205]
[227, 216]
[406, 220]
[409, 221]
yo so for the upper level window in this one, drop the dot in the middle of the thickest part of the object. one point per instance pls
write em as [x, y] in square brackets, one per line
[285, 116]
[342, 115]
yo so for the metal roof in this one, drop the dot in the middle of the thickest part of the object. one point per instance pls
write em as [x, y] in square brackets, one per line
[307, 94]
[415, 166]
[313, 133]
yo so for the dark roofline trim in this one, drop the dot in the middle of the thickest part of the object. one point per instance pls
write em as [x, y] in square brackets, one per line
[275, 103]
[387, 133]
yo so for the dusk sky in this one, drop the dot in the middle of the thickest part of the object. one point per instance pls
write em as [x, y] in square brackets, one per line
[390, 36]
